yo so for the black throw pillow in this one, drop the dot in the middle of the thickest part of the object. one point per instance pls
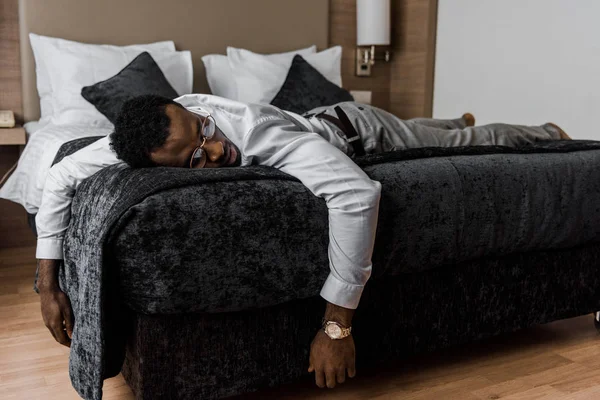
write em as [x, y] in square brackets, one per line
[141, 76]
[306, 88]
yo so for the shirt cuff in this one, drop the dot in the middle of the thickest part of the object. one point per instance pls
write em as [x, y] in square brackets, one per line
[341, 293]
[49, 249]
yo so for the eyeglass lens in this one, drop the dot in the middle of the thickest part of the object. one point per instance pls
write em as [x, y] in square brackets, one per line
[208, 132]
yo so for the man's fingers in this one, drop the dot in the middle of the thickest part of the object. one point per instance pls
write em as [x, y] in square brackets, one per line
[351, 372]
[320, 378]
[311, 368]
[51, 332]
[68, 316]
[60, 335]
[341, 375]
[330, 377]
[62, 338]
[51, 325]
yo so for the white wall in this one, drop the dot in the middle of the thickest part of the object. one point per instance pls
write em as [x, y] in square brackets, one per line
[520, 61]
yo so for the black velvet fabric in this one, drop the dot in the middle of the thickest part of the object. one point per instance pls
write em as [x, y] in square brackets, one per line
[305, 89]
[140, 237]
[141, 76]
[455, 209]
[209, 356]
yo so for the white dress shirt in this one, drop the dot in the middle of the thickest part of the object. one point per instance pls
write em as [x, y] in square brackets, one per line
[305, 149]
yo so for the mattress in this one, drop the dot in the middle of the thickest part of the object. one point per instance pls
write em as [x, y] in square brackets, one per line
[26, 184]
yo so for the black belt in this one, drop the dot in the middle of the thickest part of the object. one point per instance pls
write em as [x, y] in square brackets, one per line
[344, 124]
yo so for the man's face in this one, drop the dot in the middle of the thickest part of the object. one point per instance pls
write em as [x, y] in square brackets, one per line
[184, 137]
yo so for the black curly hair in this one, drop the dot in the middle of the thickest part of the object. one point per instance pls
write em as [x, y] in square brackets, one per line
[141, 127]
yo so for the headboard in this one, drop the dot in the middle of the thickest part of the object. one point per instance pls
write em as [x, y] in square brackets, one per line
[201, 26]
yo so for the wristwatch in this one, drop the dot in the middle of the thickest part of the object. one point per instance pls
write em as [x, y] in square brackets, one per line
[336, 331]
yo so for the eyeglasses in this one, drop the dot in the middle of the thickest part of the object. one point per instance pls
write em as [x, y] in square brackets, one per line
[207, 131]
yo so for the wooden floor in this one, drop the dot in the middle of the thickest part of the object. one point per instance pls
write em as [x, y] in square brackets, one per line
[556, 361]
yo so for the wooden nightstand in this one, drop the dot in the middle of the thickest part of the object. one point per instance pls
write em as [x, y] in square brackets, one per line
[13, 136]
[10, 137]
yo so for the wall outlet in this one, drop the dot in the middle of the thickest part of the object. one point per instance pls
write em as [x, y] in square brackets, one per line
[362, 96]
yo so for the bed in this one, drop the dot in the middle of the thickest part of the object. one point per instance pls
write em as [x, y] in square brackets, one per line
[485, 241]
[477, 249]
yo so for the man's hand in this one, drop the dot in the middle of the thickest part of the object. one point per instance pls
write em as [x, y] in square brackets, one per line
[58, 315]
[331, 359]
[56, 307]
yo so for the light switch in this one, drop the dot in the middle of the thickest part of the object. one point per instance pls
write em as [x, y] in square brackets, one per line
[362, 96]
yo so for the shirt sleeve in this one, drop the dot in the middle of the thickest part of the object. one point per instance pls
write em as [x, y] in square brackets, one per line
[63, 178]
[352, 200]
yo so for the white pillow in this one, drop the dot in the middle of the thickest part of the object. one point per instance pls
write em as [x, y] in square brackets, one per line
[78, 71]
[259, 79]
[220, 77]
[57, 78]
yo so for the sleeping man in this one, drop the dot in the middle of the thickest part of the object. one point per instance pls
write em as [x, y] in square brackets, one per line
[202, 131]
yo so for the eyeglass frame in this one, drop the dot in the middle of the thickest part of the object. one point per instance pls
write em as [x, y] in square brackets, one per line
[204, 139]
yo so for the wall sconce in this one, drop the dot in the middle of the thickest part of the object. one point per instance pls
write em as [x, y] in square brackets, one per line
[373, 29]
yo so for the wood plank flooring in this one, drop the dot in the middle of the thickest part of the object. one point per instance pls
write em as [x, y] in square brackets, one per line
[557, 361]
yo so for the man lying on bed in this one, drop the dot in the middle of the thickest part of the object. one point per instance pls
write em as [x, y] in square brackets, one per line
[201, 131]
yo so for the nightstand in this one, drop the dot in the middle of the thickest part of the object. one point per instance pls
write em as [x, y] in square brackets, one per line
[13, 136]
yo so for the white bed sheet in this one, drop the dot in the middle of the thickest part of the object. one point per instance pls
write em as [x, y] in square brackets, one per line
[26, 184]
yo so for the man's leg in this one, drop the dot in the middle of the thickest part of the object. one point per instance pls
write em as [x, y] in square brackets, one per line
[459, 123]
[390, 132]
[414, 135]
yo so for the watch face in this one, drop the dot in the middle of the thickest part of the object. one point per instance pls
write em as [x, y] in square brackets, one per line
[334, 331]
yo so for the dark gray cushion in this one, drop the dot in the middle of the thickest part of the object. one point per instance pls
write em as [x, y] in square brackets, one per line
[142, 76]
[306, 88]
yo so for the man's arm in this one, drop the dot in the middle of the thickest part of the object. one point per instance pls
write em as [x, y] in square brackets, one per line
[352, 199]
[63, 179]
[353, 202]
[52, 221]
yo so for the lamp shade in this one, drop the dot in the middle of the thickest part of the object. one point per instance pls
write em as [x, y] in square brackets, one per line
[373, 22]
